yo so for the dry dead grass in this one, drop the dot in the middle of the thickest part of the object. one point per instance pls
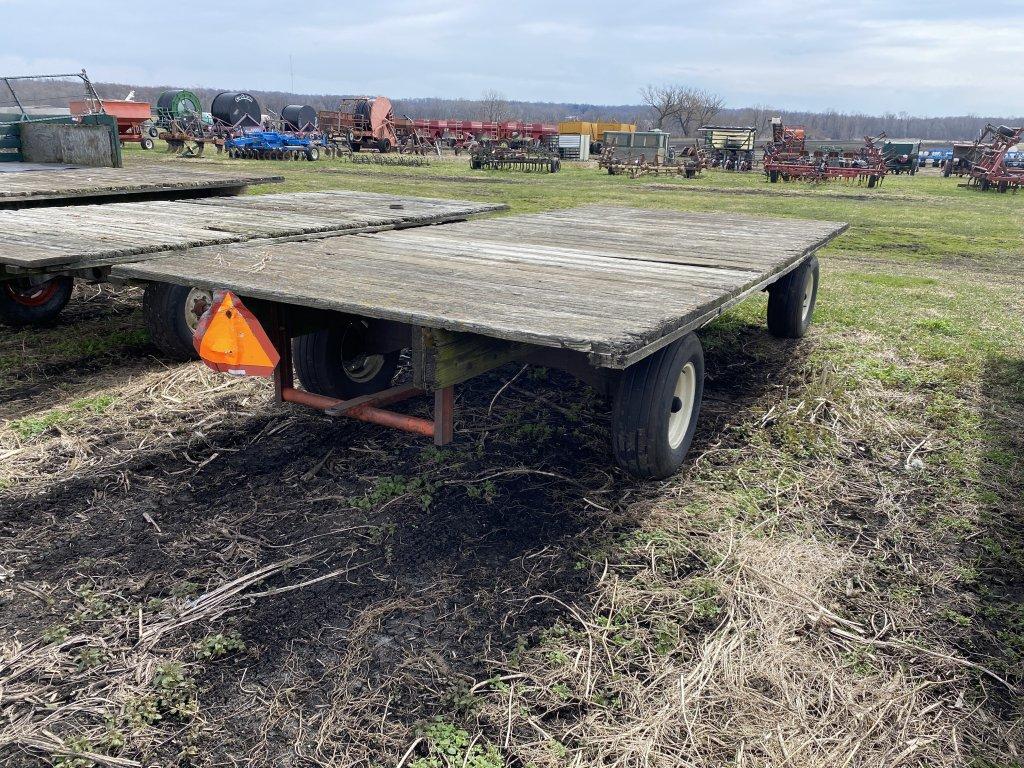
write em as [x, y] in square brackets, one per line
[709, 642]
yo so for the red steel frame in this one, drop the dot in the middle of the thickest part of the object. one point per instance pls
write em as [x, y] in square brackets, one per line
[367, 408]
[463, 131]
[990, 168]
[807, 168]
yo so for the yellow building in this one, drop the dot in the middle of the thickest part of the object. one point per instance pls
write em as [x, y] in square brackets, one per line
[594, 130]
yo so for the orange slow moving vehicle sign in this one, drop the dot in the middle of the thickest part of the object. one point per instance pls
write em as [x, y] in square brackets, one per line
[230, 339]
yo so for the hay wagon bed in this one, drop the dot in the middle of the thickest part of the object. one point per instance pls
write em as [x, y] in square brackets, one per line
[612, 295]
[25, 185]
[43, 249]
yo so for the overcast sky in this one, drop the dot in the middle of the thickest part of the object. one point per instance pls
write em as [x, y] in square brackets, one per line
[929, 58]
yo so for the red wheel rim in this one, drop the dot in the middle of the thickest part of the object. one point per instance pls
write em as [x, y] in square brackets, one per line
[31, 295]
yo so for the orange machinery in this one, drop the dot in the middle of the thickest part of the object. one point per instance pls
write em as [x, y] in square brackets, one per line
[134, 118]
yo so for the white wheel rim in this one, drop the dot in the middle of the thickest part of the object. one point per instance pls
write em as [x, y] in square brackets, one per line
[196, 304]
[808, 295]
[681, 407]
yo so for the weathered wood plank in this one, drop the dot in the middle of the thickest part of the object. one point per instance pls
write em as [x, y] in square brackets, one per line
[605, 281]
[73, 237]
[71, 183]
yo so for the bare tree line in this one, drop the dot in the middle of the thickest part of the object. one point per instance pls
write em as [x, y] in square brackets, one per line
[677, 109]
[687, 109]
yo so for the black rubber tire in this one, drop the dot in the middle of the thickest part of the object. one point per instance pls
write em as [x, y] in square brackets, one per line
[773, 177]
[643, 403]
[163, 308]
[947, 169]
[146, 143]
[984, 184]
[556, 165]
[872, 181]
[15, 312]
[312, 154]
[384, 146]
[786, 316]
[318, 357]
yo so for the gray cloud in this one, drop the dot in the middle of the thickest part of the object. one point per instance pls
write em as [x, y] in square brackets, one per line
[933, 57]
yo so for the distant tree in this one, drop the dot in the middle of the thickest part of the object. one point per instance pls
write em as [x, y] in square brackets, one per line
[664, 101]
[697, 107]
[760, 117]
[494, 106]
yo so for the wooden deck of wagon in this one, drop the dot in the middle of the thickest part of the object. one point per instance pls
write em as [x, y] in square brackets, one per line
[66, 186]
[613, 283]
[80, 237]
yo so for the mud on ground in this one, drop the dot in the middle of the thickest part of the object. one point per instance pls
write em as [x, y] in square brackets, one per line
[193, 576]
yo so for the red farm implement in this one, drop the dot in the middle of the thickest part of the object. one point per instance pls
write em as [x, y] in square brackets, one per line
[786, 160]
[990, 168]
[363, 122]
[459, 134]
[134, 118]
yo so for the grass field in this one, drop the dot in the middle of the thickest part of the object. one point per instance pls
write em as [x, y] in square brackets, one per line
[191, 576]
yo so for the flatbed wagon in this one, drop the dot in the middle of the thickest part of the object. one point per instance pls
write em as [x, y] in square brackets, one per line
[42, 250]
[613, 295]
[24, 185]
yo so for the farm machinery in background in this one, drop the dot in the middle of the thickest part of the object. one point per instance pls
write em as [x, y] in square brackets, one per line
[902, 155]
[134, 118]
[361, 122]
[728, 147]
[272, 145]
[187, 129]
[994, 163]
[788, 141]
[500, 156]
[236, 124]
[462, 135]
[786, 159]
[934, 158]
[647, 153]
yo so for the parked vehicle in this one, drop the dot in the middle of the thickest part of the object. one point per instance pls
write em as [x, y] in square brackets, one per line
[901, 155]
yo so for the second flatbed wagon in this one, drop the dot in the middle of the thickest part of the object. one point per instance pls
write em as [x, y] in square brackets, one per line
[612, 295]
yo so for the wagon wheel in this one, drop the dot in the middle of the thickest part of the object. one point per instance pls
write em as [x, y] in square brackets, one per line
[29, 301]
[172, 313]
[655, 409]
[336, 362]
[791, 301]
